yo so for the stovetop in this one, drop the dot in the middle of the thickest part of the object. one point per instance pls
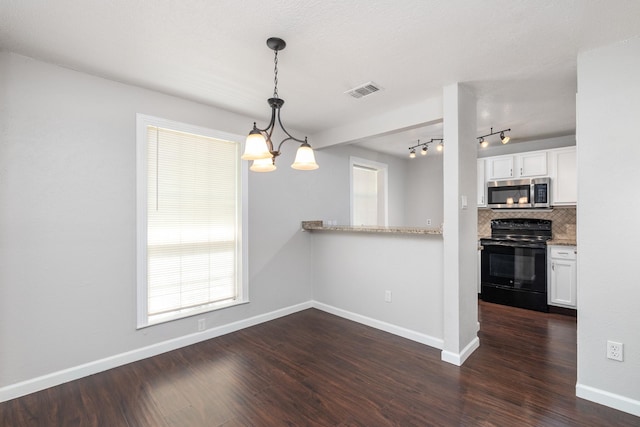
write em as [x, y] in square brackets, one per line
[520, 230]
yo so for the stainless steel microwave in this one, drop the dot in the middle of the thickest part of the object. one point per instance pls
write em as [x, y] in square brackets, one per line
[519, 194]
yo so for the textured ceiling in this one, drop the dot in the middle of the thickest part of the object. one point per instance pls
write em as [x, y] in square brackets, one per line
[519, 57]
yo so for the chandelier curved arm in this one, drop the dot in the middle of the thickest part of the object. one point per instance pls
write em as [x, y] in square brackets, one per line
[290, 137]
[268, 131]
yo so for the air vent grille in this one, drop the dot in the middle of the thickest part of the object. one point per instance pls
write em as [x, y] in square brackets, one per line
[363, 90]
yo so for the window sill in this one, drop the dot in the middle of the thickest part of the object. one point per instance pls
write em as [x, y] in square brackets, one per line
[183, 314]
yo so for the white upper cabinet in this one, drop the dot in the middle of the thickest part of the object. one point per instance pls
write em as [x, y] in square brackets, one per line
[564, 188]
[482, 186]
[500, 168]
[559, 164]
[527, 165]
[532, 164]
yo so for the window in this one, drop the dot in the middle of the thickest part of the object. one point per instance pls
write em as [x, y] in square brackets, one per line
[191, 205]
[368, 192]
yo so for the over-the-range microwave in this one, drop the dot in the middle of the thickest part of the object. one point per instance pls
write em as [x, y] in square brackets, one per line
[530, 193]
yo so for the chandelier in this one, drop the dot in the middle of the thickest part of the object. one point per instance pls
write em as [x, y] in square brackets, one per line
[259, 146]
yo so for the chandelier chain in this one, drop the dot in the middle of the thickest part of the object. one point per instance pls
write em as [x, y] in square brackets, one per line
[275, 75]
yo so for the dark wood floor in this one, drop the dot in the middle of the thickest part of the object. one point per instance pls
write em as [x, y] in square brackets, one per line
[315, 369]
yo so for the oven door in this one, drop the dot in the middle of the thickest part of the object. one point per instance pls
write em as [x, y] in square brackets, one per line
[517, 266]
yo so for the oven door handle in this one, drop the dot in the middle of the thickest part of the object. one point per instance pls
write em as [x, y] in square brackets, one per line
[515, 245]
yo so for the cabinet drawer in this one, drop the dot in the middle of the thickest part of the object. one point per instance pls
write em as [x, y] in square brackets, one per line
[568, 252]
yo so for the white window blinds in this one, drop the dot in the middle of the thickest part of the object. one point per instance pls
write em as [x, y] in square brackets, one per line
[365, 195]
[193, 221]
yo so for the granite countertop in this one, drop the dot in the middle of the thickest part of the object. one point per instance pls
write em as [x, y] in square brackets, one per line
[319, 226]
[562, 242]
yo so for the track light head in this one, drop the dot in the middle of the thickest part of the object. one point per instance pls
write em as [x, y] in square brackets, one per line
[424, 151]
[412, 154]
[504, 138]
[483, 142]
[440, 146]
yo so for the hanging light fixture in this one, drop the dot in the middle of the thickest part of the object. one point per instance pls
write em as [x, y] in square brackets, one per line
[504, 139]
[259, 146]
[425, 147]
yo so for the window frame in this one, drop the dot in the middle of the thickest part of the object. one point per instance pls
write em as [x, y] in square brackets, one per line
[142, 122]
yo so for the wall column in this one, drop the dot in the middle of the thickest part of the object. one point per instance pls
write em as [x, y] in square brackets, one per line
[460, 297]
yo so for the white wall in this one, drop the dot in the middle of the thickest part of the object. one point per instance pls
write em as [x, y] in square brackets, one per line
[608, 229]
[352, 271]
[67, 220]
[332, 200]
[425, 191]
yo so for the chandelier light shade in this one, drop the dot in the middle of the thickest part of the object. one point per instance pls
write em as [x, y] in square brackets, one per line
[259, 146]
[305, 159]
[263, 165]
[255, 147]
[503, 138]
[425, 147]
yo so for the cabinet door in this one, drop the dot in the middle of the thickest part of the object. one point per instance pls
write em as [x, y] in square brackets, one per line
[482, 185]
[562, 276]
[565, 185]
[532, 164]
[500, 167]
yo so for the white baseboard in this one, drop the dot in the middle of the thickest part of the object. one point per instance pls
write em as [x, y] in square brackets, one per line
[383, 326]
[56, 378]
[459, 358]
[606, 398]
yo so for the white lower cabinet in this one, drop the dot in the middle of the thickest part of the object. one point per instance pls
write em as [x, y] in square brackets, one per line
[562, 284]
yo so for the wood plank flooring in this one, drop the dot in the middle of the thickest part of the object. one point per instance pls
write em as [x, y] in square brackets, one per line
[315, 369]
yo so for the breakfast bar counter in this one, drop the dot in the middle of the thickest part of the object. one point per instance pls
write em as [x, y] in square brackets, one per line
[319, 226]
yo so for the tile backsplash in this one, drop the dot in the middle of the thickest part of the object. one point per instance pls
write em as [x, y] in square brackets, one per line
[563, 220]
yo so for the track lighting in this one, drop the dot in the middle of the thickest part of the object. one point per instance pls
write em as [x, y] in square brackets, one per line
[503, 138]
[425, 147]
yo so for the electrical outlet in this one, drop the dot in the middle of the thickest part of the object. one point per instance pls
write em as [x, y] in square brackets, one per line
[387, 296]
[615, 351]
[429, 221]
[201, 324]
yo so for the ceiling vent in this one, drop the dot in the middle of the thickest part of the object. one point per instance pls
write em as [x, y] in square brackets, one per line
[363, 90]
